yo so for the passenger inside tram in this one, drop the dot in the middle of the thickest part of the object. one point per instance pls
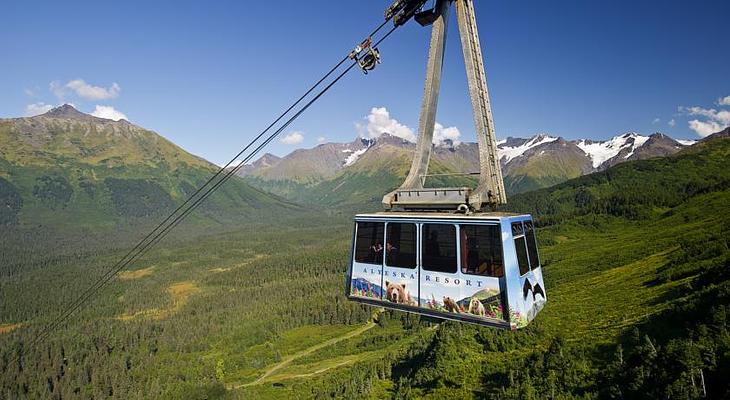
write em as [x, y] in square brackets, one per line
[376, 253]
[432, 244]
[481, 251]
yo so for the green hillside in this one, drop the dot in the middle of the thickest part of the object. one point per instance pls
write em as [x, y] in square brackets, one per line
[636, 265]
[363, 185]
[67, 170]
[542, 170]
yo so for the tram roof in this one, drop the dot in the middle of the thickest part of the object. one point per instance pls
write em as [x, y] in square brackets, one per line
[440, 215]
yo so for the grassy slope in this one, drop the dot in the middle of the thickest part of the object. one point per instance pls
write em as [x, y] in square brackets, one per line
[542, 170]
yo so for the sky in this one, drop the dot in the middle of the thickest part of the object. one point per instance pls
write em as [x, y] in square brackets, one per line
[211, 75]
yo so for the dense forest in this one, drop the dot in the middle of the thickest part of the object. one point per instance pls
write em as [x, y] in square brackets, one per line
[637, 269]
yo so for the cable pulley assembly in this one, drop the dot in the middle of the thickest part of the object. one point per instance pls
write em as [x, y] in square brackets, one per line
[369, 59]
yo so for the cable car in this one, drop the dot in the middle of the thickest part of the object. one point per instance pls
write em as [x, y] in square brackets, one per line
[482, 268]
[436, 252]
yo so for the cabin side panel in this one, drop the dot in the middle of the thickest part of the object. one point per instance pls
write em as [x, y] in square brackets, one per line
[525, 283]
[515, 304]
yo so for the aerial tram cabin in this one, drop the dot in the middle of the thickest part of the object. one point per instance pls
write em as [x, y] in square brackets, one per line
[436, 251]
[480, 268]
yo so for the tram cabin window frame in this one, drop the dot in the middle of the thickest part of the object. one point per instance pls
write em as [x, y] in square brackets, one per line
[531, 239]
[433, 246]
[523, 259]
[369, 235]
[482, 249]
[403, 257]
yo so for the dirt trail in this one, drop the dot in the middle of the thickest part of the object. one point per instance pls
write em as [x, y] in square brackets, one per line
[287, 360]
[7, 328]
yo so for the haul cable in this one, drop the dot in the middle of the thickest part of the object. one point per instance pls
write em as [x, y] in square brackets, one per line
[156, 235]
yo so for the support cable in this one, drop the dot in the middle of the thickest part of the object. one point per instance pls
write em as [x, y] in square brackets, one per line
[171, 221]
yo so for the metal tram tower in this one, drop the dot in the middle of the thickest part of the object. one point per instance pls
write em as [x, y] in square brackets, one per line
[412, 195]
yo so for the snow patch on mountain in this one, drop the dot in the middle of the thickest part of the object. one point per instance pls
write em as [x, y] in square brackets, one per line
[510, 153]
[638, 142]
[685, 142]
[600, 152]
[354, 156]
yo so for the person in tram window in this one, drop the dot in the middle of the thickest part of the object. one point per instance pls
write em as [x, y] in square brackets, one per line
[392, 252]
[377, 249]
[375, 252]
[432, 245]
[464, 251]
[469, 253]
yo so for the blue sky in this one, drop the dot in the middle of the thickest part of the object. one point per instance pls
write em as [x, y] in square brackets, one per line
[209, 76]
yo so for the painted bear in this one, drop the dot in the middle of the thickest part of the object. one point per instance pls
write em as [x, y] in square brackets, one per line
[476, 307]
[451, 305]
[397, 293]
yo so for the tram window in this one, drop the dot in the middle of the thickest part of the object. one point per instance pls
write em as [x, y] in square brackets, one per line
[481, 250]
[439, 248]
[517, 229]
[369, 242]
[531, 245]
[400, 245]
[521, 248]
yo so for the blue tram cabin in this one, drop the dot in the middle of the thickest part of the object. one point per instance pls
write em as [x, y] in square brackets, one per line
[479, 268]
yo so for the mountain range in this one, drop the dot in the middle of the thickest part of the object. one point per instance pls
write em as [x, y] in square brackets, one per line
[66, 168]
[527, 163]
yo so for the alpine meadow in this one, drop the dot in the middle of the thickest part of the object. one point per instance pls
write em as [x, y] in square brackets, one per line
[544, 249]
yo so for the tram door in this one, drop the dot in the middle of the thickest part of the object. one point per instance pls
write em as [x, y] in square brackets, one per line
[400, 272]
[367, 265]
[531, 282]
[440, 282]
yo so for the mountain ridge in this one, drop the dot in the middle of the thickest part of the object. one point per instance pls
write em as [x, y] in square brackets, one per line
[65, 168]
[527, 163]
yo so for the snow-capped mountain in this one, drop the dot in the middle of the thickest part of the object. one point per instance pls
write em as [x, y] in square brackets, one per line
[307, 165]
[511, 148]
[527, 163]
[600, 152]
[629, 146]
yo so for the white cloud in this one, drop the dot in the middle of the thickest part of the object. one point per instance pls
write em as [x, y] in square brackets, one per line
[440, 134]
[85, 90]
[705, 128]
[721, 116]
[108, 112]
[723, 101]
[379, 122]
[37, 109]
[715, 120]
[321, 139]
[672, 122]
[58, 89]
[293, 138]
[656, 121]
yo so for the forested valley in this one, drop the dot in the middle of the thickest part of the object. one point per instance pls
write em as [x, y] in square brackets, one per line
[637, 269]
